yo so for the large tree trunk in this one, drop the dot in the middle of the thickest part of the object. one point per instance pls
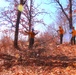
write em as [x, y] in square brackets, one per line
[30, 20]
[17, 29]
[17, 26]
[70, 14]
[69, 18]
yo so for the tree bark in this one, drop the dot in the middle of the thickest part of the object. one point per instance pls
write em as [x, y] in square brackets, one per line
[70, 14]
[30, 20]
[17, 27]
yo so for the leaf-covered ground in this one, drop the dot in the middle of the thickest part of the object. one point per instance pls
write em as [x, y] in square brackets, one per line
[52, 60]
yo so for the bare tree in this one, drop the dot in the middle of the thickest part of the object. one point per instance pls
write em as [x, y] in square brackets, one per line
[22, 2]
[28, 19]
[67, 10]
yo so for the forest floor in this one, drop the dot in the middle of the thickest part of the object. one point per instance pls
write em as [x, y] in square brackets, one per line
[53, 60]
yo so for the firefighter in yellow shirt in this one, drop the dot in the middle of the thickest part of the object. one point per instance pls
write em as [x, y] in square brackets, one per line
[61, 32]
[32, 36]
[73, 35]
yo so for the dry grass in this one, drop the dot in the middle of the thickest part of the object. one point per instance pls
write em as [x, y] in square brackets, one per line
[51, 60]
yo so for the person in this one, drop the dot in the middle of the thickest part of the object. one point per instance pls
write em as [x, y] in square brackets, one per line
[73, 35]
[32, 36]
[61, 32]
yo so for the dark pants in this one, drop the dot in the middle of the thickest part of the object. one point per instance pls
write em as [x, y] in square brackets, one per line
[61, 38]
[73, 40]
[31, 42]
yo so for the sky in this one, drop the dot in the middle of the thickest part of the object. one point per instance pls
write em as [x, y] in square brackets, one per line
[3, 3]
[43, 6]
[48, 7]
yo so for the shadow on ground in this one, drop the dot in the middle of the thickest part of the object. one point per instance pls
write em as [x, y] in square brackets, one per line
[34, 58]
